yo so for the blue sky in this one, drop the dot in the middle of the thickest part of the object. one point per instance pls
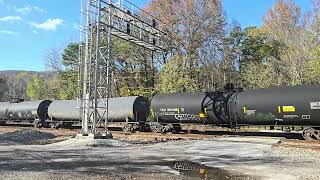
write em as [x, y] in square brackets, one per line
[251, 12]
[29, 28]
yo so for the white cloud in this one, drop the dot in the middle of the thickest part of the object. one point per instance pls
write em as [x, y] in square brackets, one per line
[7, 32]
[48, 25]
[28, 9]
[10, 18]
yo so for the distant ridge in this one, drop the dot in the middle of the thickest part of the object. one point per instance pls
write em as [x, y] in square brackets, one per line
[21, 71]
[16, 72]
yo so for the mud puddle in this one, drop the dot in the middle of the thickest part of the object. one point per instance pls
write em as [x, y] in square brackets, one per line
[193, 170]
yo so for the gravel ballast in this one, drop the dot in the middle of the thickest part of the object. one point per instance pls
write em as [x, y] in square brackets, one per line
[25, 136]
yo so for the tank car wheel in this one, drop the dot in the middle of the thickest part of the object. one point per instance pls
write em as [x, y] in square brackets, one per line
[66, 125]
[55, 125]
[127, 127]
[156, 128]
[308, 133]
[142, 128]
[167, 128]
[52, 125]
[135, 127]
[37, 124]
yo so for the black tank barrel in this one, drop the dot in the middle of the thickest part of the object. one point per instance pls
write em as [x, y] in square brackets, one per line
[121, 109]
[297, 105]
[198, 107]
[26, 110]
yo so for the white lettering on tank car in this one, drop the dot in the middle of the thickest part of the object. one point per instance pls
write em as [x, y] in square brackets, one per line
[250, 112]
[163, 109]
[290, 116]
[173, 109]
[314, 105]
[169, 109]
[187, 117]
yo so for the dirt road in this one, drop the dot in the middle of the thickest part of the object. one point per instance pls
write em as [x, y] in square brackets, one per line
[141, 156]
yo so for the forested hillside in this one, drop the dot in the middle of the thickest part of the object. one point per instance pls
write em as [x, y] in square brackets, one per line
[13, 84]
[204, 53]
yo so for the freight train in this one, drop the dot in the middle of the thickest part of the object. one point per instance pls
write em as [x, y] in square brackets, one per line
[65, 113]
[233, 108]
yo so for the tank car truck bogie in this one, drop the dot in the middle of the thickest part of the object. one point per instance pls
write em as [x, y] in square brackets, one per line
[37, 123]
[155, 127]
[311, 133]
[131, 127]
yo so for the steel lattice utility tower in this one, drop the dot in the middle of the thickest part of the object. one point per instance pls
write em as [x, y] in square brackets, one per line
[104, 20]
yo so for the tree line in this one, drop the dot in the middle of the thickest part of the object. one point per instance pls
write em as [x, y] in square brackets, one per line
[204, 52]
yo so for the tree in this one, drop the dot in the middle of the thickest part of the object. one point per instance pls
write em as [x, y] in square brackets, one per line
[313, 36]
[283, 24]
[231, 52]
[195, 32]
[70, 56]
[256, 59]
[133, 71]
[3, 88]
[69, 77]
[68, 84]
[64, 84]
[16, 85]
[313, 66]
[35, 88]
[53, 60]
[252, 47]
[259, 75]
[174, 77]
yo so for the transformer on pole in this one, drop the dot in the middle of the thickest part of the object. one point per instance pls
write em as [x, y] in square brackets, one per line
[106, 19]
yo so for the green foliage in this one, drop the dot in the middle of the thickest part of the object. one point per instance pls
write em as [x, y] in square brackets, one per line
[54, 88]
[35, 88]
[258, 75]
[70, 55]
[139, 91]
[313, 66]
[69, 85]
[175, 77]
[132, 69]
[252, 47]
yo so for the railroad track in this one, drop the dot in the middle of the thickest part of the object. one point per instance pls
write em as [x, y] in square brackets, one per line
[182, 134]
